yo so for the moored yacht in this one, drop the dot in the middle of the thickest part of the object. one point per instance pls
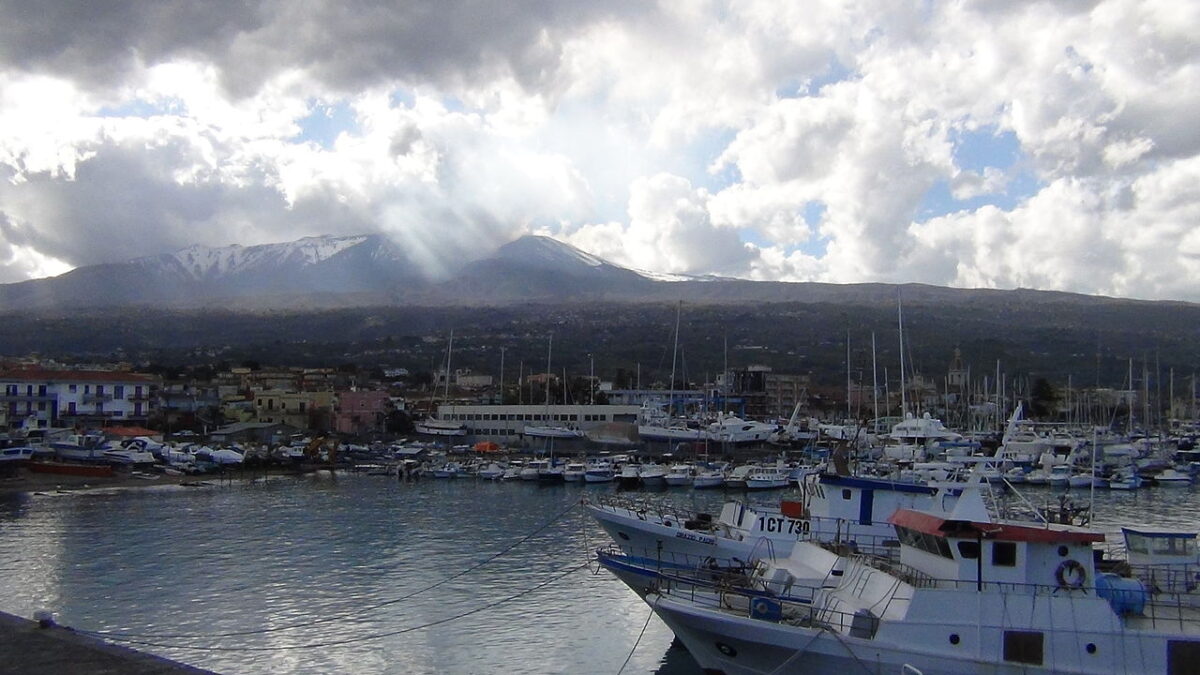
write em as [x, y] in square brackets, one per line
[599, 471]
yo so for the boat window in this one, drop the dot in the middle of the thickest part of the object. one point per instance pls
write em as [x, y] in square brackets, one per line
[1136, 543]
[926, 542]
[1004, 554]
[968, 549]
[1023, 646]
[1182, 656]
[1173, 546]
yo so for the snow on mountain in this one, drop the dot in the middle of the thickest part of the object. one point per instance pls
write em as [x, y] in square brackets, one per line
[201, 262]
[547, 253]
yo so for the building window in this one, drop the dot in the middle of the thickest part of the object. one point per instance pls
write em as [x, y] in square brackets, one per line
[71, 388]
[119, 391]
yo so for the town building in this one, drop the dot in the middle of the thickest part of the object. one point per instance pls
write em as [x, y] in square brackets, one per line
[38, 398]
[506, 423]
[361, 412]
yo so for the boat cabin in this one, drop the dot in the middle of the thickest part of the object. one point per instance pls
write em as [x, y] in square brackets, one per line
[996, 552]
[1160, 547]
[867, 501]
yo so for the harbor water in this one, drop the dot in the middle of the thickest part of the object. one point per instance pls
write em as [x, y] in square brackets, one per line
[353, 573]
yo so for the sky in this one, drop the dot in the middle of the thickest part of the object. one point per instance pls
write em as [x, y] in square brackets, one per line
[980, 144]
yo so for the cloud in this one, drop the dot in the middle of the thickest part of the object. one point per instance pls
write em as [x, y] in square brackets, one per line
[669, 231]
[994, 144]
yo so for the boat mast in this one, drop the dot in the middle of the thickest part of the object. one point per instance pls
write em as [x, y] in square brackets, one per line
[674, 351]
[903, 395]
[848, 414]
[874, 380]
[549, 347]
[1129, 402]
[449, 352]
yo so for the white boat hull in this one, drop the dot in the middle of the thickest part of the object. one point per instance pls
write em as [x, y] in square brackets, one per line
[708, 482]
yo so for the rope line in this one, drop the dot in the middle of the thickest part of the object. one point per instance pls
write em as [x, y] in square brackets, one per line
[335, 617]
[346, 641]
[640, 635]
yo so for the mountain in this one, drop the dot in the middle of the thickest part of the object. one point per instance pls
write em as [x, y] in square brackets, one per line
[372, 271]
[257, 276]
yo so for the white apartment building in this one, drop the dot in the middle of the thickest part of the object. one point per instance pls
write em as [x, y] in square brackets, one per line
[59, 398]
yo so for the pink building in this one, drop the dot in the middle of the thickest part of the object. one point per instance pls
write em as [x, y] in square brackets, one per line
[360, 412]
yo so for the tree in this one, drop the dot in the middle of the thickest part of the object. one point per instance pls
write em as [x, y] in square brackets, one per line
[1042, 398]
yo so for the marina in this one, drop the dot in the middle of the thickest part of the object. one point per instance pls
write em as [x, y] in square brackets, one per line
[347, 572]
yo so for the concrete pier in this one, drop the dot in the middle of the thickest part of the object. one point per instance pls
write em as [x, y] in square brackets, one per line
[28, 648]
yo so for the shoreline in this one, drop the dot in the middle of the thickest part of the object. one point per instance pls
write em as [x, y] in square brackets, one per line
[25, 481]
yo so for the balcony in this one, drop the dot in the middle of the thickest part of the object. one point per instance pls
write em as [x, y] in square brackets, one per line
[97, 398]
[33, 398]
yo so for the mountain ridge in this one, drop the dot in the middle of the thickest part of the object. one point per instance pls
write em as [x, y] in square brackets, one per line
[371, 270]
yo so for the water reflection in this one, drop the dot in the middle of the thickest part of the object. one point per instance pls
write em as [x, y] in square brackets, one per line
[293, 563]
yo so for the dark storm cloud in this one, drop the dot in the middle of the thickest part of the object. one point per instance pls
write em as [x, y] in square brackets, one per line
[346, 44]
[125, 203]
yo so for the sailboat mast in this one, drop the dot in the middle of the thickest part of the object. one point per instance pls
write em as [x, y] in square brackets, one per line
[674, 351]
[449, 352]
[549, 347]
[848, 413]
[903, 394]
[874, 379]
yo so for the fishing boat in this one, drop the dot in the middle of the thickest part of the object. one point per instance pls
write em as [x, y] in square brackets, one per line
[845, 509]
[968, 592]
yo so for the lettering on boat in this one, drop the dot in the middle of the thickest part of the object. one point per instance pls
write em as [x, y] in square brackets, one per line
[692, 536]
[782, 525]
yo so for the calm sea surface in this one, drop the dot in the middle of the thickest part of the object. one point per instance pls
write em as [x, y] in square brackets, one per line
[327, 574]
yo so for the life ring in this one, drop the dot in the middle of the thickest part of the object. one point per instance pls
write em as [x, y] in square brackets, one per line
[1071, 574]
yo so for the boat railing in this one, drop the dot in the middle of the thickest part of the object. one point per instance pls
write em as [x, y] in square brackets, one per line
[647, 509]
[874, 545]
[1174, 578]
[891, 564]
[654, 556]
